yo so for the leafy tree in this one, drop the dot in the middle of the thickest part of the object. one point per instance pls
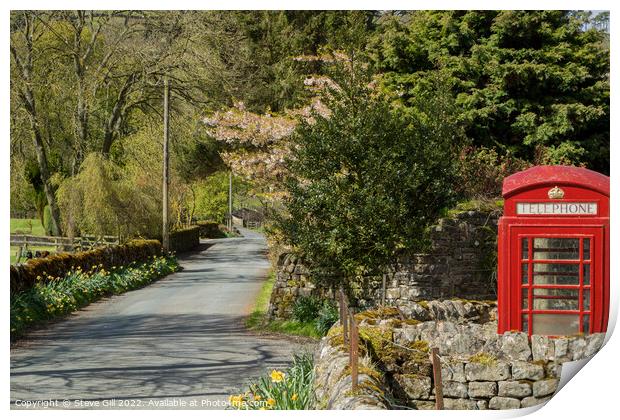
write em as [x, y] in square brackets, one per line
[269, 74]
[212, 196]
[366, 180]
[530, 82]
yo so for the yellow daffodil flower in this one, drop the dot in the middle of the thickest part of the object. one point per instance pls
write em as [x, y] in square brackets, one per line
[277, 376]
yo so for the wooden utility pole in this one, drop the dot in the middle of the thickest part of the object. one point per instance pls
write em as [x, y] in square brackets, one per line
[230, 223]
[165, 234]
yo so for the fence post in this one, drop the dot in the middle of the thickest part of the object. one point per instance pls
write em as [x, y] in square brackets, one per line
[344, 312]
[354, 351]
[437, 378]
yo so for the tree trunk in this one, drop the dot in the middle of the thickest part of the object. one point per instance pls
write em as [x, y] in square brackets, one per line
[45, 174]
[26, 95]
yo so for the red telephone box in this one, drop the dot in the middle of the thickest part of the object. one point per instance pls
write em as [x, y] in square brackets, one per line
[553, 252]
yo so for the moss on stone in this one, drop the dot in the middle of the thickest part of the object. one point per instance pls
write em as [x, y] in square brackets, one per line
[365, 385]
[377, 340]
[361, 369]
[419, 345]
[423, 304]
[483, 359]
[477, 302]
[395, 323]
[411, 321]
[487, 206]
[381, 312]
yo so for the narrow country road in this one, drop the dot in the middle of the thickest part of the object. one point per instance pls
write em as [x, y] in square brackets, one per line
[180, 340]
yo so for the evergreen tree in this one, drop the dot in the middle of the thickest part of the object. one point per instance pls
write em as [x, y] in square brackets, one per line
[530, 82]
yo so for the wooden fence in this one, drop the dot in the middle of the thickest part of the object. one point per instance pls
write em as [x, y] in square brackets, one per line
[350, 335]
[60, 243]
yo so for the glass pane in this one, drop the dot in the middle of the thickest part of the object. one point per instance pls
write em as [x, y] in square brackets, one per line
[556, 248]
[555, 324]
[524, 273]
[586, 323]
[524, 299]
[524, 323]
[586, 299]
[563, 274]
[586, 249]
[586, 274]
[524, 249]
[556, 299]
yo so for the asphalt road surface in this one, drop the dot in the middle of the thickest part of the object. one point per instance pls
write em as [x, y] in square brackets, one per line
[178, 343]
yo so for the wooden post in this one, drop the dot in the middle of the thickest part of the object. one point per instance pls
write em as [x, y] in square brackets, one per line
[437, 378]
[354, 352]
[383, 289]
[165, 234]
[344, 316]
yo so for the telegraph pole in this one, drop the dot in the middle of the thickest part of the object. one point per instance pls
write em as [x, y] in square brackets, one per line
[165, 234]
[230, 224]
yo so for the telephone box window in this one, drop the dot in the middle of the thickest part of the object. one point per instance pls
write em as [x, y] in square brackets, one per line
[586, 299]
[586, 274]
[560, 274]
[556, 299]
[555, 324]
[524, 274]
[556, 249]
[586, 249]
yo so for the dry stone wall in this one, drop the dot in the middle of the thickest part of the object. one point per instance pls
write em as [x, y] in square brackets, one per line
[480, 369]
[460, 263]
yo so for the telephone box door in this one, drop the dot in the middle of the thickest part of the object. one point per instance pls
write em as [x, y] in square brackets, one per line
[561, 280]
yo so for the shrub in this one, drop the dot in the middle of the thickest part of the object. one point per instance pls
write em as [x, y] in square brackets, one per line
[366, 181]
[306, 308]
[24, 276]
[328, 315]
[289, 390]
[210, 229]
[185, 239]
[482, 171]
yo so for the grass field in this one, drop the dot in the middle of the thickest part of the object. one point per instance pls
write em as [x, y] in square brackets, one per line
[28, 227]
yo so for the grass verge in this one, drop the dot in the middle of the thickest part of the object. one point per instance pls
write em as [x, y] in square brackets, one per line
[55, 297]
[258, 320]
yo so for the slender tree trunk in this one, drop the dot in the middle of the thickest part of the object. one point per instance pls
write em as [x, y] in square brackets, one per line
[45, 174]
[26, 94]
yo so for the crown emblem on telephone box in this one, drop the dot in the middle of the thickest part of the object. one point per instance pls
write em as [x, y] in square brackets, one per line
[556, 193]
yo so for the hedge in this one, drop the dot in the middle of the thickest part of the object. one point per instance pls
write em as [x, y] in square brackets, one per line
[184, 239]
[210, 229]
[24, 276]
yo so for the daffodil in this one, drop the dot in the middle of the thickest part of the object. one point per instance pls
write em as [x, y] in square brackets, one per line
[294, 397]
[277, 376]
[236, 400]
[271, 402]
